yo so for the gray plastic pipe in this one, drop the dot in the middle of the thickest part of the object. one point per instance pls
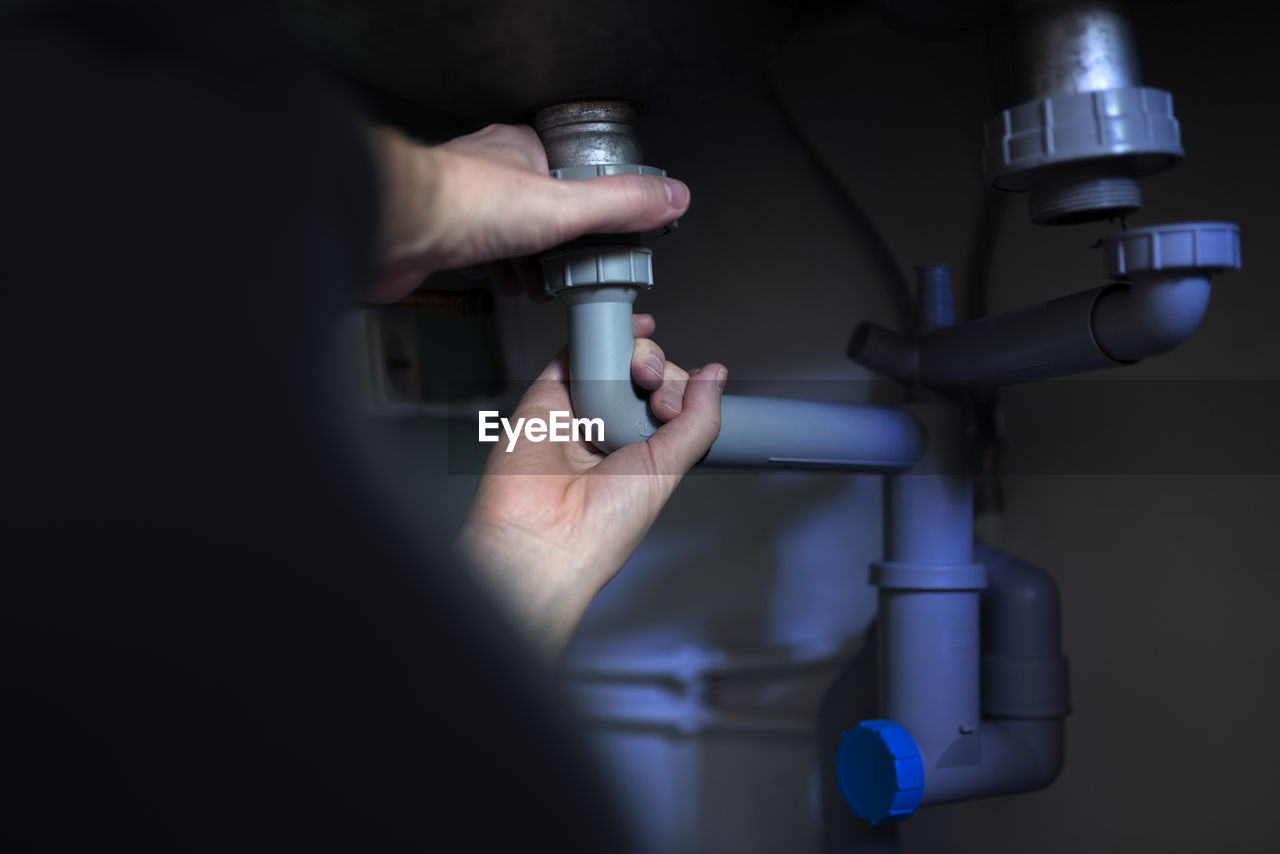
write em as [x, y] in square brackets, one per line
[932, 686]
[970, 659]
[754, 432]
[1149, 317]
[1100, 328]
[1023, 672]
[987, 715]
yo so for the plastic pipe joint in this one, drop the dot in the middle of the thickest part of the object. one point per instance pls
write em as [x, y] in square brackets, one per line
[1084, 129]
[1158, 296]
[755, 431]
[1167, 268]
[971, 682]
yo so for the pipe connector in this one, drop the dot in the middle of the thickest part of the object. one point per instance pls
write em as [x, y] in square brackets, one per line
[1024, 674]
[1084, 129]
[973, 706]
[1158, 298]
[755, 432]
[1079, 155]
[591, 139]
[589, 133]
[1068, 199]
[1166, 270]
[593, 266]
[1173, 249]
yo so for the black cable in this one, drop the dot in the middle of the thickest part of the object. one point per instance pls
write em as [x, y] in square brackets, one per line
[987, 444]
[982, 250]
[882, 255]
[991, 210]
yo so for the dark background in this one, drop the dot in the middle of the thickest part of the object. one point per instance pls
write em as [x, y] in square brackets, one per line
[219, 624]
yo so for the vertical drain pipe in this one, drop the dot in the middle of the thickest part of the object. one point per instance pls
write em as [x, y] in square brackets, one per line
[928, 583]
[928, 596]
[932, 743]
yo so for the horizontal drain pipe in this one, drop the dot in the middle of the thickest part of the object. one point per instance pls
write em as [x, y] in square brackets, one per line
[1160, 297]
[755, 431]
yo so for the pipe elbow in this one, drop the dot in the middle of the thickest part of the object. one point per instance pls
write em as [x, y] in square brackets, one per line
[1021, 606]
[1006, 757]
[616, 404]
[1150, 316]
[755, 432]
[1024, 674]
[1044, 743]
[884, 351]
[600, 347]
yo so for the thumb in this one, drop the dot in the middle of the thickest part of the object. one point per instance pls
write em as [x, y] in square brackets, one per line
[620, 204]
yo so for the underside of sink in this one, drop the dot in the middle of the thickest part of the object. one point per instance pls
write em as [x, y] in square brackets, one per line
[501, 59]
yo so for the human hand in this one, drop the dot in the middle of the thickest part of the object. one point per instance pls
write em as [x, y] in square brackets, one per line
[553, 522]
[487, 199]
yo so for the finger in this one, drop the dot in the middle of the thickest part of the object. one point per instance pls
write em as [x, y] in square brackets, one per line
[529, 272]
[685, 439]
[618, 204]
[668, 400]
[557, 370]
[643, 325]
[648, 364]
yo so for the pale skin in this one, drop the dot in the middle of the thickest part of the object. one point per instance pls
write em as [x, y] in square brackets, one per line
[552, 523]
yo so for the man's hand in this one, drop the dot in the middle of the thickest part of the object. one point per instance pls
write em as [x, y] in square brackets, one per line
[553, 522]
[487, 199]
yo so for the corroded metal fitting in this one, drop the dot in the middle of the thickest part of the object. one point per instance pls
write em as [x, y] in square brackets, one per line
[1079, 155]
[584, 140]
[589, 133]
[1084, 129]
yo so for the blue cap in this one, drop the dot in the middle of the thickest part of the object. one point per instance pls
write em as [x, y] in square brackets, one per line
[880, 771]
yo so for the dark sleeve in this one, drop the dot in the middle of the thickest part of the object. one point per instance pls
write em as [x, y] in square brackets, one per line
[216, 633]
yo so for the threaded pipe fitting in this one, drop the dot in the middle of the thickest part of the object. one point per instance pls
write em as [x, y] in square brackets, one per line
[1083, 200]
[589, 133]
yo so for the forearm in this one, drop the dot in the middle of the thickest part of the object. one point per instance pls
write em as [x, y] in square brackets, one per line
[409, 182]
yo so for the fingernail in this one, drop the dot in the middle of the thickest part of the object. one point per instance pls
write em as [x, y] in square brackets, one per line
[722, 376]
[669, 399]
[654, 364]
[677, 193]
